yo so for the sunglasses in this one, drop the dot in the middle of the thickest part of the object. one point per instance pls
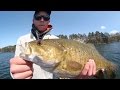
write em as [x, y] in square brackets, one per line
[46, 18]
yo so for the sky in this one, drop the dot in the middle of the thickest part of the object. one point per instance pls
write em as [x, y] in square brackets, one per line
[14, 24]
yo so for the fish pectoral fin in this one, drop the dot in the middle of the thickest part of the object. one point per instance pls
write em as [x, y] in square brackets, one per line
[72, 65]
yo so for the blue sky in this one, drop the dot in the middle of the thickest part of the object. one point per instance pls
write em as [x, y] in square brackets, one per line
[14, 24]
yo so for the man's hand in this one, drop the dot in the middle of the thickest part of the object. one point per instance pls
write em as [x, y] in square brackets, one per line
[21, 69]
[88, 70]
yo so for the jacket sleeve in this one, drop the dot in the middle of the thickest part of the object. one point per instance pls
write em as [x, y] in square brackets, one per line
[19, 48]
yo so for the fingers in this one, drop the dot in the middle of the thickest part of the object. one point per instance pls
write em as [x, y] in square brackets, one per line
[86, 68]
[23, 75]
[29, 77]
[18, 65]
[19, 61]
[94, 68]
[89, 68]
[20, 68]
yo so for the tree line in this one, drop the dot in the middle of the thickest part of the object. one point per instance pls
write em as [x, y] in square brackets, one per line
[92, 37]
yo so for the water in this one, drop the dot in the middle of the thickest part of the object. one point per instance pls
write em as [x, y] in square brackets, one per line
[109, 51]
[4, 65]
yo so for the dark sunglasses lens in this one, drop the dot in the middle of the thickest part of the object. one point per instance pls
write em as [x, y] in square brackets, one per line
[46, 18]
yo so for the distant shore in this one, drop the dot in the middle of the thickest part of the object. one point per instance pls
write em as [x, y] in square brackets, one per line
[8, 49]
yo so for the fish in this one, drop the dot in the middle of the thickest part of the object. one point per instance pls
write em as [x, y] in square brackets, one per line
[65, 58]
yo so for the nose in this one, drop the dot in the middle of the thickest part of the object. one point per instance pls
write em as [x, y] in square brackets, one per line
[42, 19]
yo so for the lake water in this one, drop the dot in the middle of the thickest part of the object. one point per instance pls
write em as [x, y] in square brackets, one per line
[109, 51]
[4, 65]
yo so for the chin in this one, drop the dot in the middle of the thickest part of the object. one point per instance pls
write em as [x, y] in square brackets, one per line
[42, 29]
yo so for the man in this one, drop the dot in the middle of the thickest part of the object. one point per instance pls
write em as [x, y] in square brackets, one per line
[23, 69]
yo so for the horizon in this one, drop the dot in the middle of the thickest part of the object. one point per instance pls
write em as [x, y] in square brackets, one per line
[17, 23]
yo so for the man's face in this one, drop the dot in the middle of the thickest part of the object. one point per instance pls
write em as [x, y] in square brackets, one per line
[41, 21]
